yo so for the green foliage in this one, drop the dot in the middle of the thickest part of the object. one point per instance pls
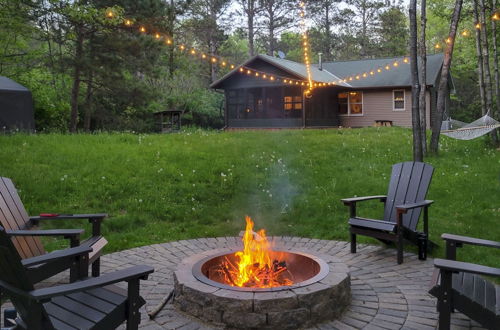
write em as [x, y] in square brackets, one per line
[197, 183]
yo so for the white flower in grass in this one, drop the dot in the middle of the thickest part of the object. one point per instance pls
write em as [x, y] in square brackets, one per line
[193, 209]
[192, 198]
[140, 200]
[103, 178]
[181, 174]
[270, 195]
[194, 171]
[194, 185]
[222, 174]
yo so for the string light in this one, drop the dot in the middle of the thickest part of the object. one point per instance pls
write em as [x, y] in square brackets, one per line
[128, 22]
[465, 33]
[478, 26]
[142, 29]
[305, 44]
[495, 17]
[109, 13]
[437, 46]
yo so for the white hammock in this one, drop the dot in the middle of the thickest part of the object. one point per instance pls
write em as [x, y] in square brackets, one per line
[463, 131]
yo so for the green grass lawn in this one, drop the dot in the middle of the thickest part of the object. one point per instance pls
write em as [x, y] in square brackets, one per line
[159, 188]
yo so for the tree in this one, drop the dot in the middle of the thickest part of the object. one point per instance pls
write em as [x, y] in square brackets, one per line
[325, 14]
[276, 18]
[393, 32]
[486, 64]
[205, 24]
[443, 82]
[415, 86]
[251, 9]
[495, 53]
[423, 76]
[367, 14]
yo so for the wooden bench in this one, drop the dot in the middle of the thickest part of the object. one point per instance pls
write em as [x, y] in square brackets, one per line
[383, 122]
[458, 285]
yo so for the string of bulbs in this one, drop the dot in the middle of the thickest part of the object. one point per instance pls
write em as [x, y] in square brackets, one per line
[306, 53]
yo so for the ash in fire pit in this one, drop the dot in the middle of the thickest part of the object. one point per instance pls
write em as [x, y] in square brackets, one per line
[261, 288]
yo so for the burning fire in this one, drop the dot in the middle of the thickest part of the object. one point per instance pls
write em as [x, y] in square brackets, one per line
[257, 266]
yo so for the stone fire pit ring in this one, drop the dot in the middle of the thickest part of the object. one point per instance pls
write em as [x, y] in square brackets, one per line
[320, 298]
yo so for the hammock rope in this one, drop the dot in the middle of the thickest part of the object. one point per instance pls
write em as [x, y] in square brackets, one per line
[463, 131]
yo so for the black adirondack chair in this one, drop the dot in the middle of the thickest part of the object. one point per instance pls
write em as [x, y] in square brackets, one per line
[457, 285]
[15, 219]
[403, 204]
[92, 303]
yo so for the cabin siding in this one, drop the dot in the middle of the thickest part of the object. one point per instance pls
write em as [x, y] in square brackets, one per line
[378, 105]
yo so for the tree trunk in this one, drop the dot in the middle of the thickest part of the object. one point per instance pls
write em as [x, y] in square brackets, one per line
[443, 83]
[486, 66]
[423, 77]
[479, 54]
[75, 90]
[88, 102]
[415, 86]
[250, 10]
[171, 19]
[495, 58]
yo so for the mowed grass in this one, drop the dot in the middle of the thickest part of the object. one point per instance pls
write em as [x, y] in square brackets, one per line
[159, 188]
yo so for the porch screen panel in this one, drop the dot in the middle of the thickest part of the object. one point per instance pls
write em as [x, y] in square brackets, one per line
[235, 103]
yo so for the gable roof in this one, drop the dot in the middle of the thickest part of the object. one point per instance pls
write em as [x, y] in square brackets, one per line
[7, 84]
[294, 68]
[395, 76]
[336, 71]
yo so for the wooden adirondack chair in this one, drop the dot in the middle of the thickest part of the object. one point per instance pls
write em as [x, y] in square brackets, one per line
[15, 219]
[457, 285]
[93, 303]
[403, 204]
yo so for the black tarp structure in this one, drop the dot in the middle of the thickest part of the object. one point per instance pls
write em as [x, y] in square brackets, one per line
[16, 106]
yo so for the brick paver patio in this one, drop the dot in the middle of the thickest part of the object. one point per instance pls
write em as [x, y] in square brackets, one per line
[385, 295]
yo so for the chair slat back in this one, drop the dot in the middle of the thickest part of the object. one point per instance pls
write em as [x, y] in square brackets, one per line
[409, 184]
[13, 216]
[13, 273]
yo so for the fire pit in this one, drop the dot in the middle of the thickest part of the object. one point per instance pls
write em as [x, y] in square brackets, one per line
[259, 287]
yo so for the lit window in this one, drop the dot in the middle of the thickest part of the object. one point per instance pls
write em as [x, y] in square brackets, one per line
[399, 99]
[351, 103]
[292, 102]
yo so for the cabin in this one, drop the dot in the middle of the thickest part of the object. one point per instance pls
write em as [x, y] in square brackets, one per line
[270, 92]
[16, 107]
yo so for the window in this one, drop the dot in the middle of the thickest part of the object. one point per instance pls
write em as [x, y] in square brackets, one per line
[398, 96]
[351, 103]
[292, 104]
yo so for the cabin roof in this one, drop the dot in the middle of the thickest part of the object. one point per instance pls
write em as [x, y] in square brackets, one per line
[7, 84]
[334, 71]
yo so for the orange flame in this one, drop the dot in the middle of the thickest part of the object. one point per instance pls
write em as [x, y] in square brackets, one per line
[256, 265]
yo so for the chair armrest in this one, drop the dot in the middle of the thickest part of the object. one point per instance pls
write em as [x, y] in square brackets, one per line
[37, 218]
[470, 240]
[128, 274]
[458, 266]
[50, 232]
[405, 207]
[56, 255]
[349, 201]
[95, 219]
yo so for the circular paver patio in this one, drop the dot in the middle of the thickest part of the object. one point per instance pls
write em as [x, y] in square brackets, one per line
[385, 295]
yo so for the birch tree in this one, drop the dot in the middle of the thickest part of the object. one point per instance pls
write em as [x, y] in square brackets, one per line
[443, 83]
[415, 86]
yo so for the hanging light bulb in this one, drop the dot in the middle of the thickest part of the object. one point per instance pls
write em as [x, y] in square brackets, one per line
[406, 60]
[437, 46]
[495, 17]
[168, 41]
[193, 52]
[387, 67]
[214, 60]
[203, 56]
[223, 63]
[372, 73]
[182, 47]
[157, 36]
[395, 64]
[379, 70]
[448, 40]
[128, 22]
[142, 29]
[109, 13]
[271, 78]
[478, 26]
[241, 69]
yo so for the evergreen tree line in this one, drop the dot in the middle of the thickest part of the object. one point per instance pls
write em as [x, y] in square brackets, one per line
[88, 71]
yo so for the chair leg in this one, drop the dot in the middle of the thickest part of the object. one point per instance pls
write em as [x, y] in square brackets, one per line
[133, 315]
[422, 246]
[400, 246]
[444, 304]
[96, 267]
[353, 243]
